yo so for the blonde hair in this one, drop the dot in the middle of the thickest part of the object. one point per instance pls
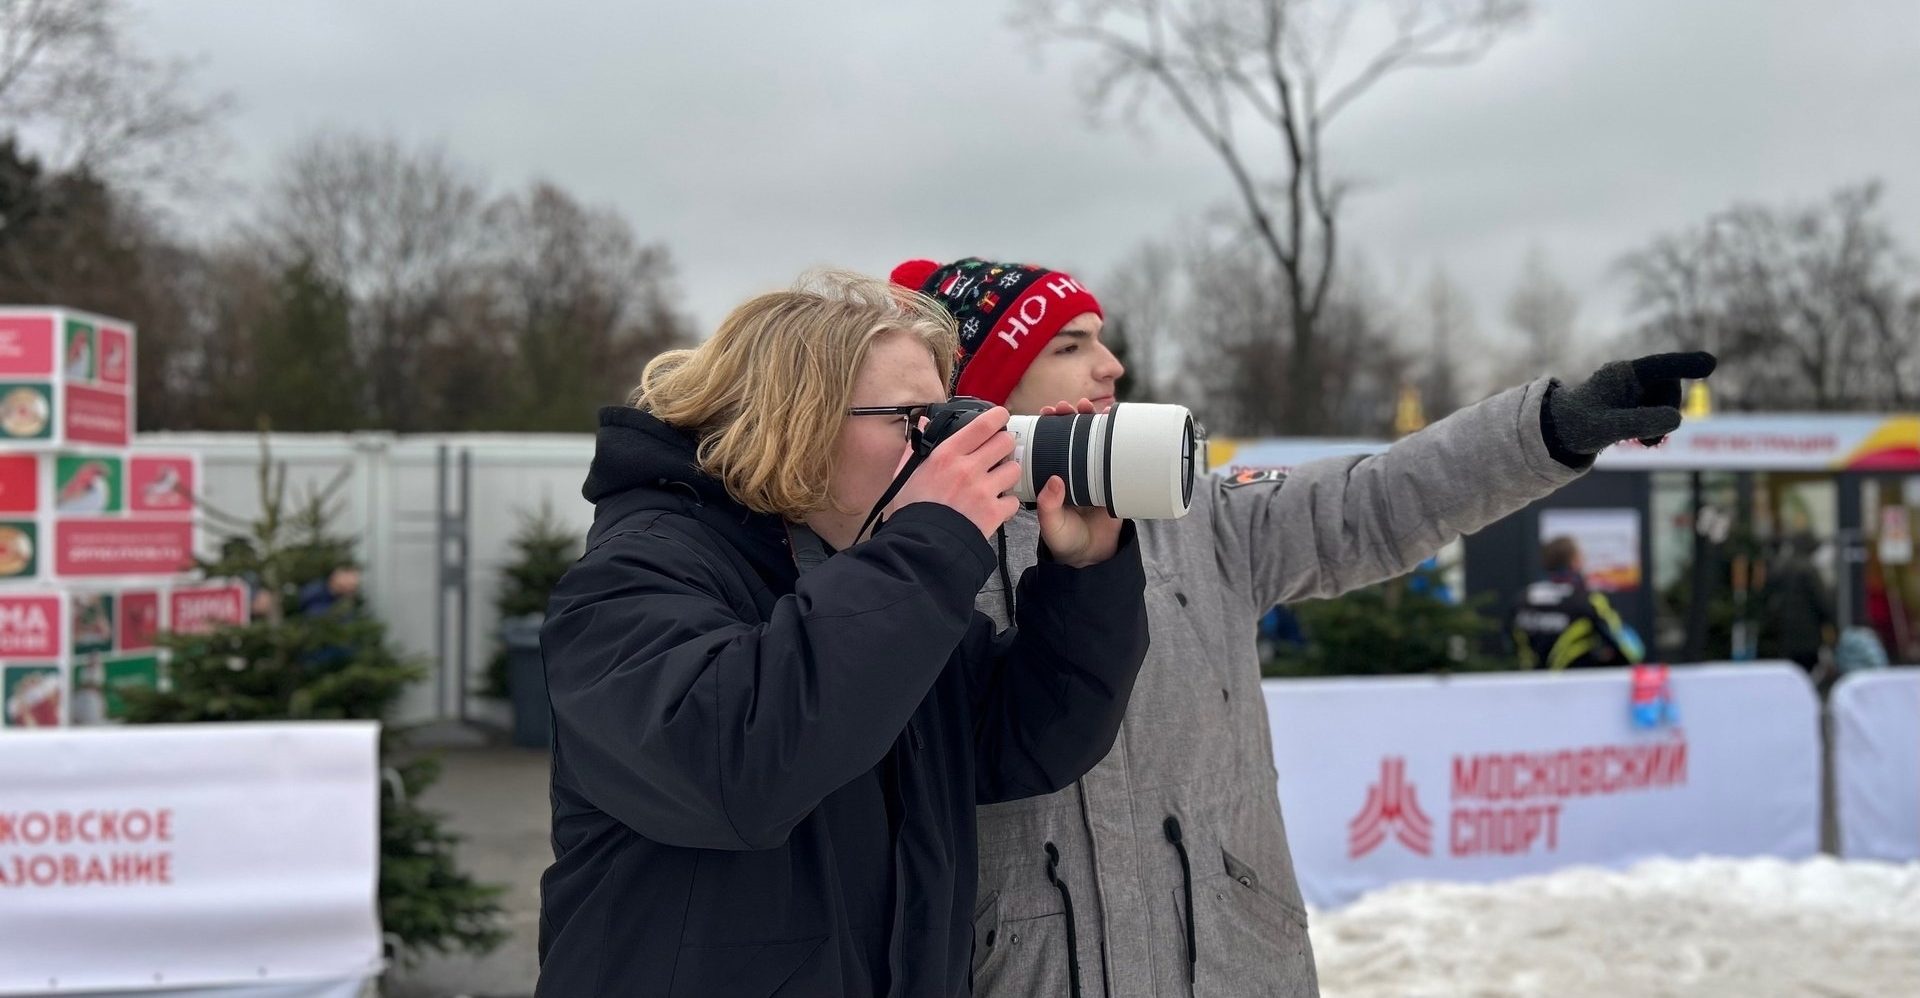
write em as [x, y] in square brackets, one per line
[767, 393]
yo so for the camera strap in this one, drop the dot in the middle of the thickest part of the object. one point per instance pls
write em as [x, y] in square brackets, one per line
[921, 448]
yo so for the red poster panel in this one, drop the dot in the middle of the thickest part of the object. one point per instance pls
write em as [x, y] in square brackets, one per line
[86, 548]
[30, 626]
[160, 484]
[199, 609]
[26, 345]
[96, 416]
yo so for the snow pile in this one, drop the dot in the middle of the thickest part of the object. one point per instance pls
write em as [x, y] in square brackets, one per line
[1746, 928]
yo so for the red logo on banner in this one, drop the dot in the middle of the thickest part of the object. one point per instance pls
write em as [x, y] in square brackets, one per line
[198, 611]
[26, 344]
[97, 417]
[19, 483]
[139, 619]
[116, 355]
[1392, 805]
[160, 484]
[122, 547]
[30, 626]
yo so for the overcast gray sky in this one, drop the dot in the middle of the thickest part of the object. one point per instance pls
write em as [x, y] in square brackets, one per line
[757, 139]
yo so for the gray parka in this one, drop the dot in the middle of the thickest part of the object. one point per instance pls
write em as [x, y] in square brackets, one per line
[1186, 804]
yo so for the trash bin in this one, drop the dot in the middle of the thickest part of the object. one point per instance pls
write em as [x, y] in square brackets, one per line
[527, 681]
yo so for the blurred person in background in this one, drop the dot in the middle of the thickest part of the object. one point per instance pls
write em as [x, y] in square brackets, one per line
[1797, 616]
[1558, 623]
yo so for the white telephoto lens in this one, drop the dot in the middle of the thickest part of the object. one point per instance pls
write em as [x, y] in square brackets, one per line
[1137, 459]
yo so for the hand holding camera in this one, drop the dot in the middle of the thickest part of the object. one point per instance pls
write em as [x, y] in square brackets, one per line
[969, 471]
[1136, 460]
[1077, 536]
[1132, 461]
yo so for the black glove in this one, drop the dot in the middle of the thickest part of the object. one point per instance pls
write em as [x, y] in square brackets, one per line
[1625, 400]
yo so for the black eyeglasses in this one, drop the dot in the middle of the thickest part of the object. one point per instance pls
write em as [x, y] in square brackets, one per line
[909, 414]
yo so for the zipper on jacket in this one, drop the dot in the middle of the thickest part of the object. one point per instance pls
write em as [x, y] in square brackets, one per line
[1172, 827]
[1066, 900]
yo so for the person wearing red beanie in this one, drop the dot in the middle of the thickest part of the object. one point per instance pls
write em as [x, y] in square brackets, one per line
[1165, 870]
[1009, 316]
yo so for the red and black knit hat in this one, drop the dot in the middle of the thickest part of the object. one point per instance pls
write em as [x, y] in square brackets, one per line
[1007, 313]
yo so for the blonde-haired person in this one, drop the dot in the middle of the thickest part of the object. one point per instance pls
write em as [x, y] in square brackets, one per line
[771, 729]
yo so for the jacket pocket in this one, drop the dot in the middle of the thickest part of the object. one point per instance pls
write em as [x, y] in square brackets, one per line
[986, 934]
[749, 970]
[1249, 880]
[1247, 940]
[1018, 956]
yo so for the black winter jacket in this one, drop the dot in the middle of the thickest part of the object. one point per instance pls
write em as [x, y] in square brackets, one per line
[764, 784]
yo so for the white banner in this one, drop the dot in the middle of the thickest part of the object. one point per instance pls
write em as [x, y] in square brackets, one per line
[1484, 777]
[1797, 442]
[1876, 764]
[189, 856]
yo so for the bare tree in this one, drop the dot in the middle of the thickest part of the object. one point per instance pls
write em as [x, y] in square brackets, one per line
[73, 239]
[1366, 362]
[1142, 305]
[1451, 339]
[1808, 308]
[1239, 370]
[586, 305]
[522, 312]
[75, 85]
[1542, 310]
[39, 42]
[230, 293]
[1247, 75]
[402, 231]
[1235, 365]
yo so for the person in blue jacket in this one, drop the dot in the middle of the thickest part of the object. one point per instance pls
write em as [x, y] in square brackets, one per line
[772, 726]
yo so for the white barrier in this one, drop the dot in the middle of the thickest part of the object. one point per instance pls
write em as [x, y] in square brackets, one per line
[1876, 764]
[206, 856]
[1485, 777]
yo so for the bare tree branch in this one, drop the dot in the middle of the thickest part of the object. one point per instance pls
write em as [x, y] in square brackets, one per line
[1199, 55]
[72, 78]
[1807, 306]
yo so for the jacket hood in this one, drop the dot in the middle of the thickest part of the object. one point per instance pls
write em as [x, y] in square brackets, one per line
[634, 449]
[640, 462]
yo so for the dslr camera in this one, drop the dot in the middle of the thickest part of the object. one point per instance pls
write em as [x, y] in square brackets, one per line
[1136, 459]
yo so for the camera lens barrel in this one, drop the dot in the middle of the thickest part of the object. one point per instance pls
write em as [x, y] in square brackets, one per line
[1137, 459]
